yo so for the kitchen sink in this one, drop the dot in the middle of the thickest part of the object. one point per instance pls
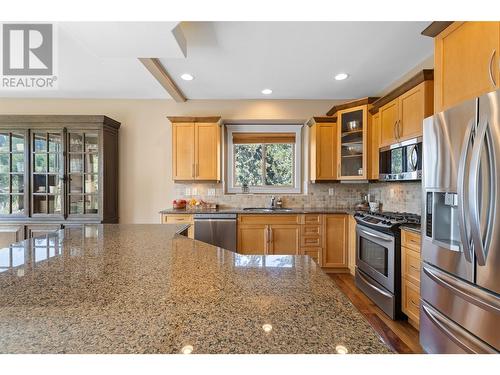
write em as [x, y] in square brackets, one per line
[268, 209]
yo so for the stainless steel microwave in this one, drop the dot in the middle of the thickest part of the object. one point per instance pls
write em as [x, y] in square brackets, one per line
[401, 161]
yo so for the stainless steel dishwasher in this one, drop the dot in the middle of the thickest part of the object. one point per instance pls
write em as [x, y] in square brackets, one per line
[217, 229]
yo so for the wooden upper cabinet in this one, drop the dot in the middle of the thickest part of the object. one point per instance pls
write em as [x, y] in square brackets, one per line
[466, 60]
[414, 106]
[284, 239]
[207, 152]
[389, 114]
[374, 147]
[196, 147]
[323, 151]
[183, 146]
[402, 118]
[335, 241]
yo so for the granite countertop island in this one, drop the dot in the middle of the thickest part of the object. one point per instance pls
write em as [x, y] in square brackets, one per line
[146, 289]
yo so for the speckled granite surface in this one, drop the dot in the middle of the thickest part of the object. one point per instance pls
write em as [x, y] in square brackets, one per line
[144, 289]
[412, 228]
[313, 210]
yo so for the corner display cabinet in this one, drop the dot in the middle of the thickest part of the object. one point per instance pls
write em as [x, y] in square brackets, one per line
[56, 171]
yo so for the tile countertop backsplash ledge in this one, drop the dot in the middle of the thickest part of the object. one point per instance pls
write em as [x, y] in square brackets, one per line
[402, 197]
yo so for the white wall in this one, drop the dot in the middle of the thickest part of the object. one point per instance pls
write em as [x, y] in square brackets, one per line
[146, 184]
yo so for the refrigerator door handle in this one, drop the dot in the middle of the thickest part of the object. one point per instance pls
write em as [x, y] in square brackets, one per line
[462, 196]
[465, 291]
[483, 134]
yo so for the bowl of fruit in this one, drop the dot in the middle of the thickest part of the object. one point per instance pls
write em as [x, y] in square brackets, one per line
[179, 204]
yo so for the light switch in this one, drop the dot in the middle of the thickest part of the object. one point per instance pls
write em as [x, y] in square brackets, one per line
[331, 191]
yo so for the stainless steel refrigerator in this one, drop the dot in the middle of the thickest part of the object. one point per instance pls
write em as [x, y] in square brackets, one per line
[460, 279]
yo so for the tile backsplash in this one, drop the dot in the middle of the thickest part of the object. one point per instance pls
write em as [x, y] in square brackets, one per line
[398, 196]
[394, 196]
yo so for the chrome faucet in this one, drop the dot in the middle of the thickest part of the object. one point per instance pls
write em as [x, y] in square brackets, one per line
[273, 202]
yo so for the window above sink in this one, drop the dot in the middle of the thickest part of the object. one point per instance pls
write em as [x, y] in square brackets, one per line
[264, 158]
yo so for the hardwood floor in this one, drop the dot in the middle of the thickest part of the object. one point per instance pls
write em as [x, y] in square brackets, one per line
[398, 335]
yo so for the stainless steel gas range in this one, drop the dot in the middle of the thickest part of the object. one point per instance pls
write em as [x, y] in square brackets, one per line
[378, 257]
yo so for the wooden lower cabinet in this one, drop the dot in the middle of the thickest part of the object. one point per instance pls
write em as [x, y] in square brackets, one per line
[10, 234]
[284, 239]
[352, 244]
[252, 239]
[410, 276]
[335, 241]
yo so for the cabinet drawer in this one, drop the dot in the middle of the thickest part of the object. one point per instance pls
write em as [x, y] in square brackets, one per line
[311, 219]
[410, 240]
[314, 253]
[311, 230]
[310, 241]
[411, 301]
[411, 265]
[177, 219]
[268, 219]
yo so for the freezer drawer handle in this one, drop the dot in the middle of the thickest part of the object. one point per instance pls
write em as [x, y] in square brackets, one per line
[464, 291]
[469, 344]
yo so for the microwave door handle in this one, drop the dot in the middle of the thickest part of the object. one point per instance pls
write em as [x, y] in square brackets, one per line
[482, 134]
[462, 195]
[413, 158]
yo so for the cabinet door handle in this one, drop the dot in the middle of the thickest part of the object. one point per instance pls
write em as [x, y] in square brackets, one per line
[266, 240]
[197, 170]
[193, 170]
[490, 68]
[394, 130]
[399, 129]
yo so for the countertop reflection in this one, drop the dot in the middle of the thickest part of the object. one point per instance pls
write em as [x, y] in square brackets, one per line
[145, 289]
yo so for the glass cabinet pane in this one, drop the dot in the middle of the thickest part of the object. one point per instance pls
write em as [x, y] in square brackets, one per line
[17, 142]
[39, 183]
[91, 204]
[4, 204]
[17, 181]
[12, 169]
[351, 148]
[91, 181]
[91, 163]
[40, 163]
[91, 142]
[4, 163]
[40, 204]
[55, 143]
[76, 204]
[17, 204]
[4, 142]
[76, 183]
[39, 142]
[75, 163]
[48, 168]
[4, 183]
[75, 142]
[18, 163]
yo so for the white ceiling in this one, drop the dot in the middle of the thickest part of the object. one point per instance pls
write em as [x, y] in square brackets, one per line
[236, 60]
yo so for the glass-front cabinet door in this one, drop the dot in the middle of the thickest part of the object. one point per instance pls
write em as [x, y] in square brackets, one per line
[47, 186]
[352, 150]
[13, 173]
[83, 173]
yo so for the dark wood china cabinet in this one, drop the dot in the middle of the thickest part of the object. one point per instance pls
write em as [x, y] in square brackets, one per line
[56, 171]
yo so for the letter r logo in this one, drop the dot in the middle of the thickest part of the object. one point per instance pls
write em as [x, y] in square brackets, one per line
[27, 49]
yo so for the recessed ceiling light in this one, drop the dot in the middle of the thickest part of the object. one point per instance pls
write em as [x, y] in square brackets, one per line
[267, 91]
[267, 328]
[341, 76]
[341, 349]
[188, 349]
[187, 77]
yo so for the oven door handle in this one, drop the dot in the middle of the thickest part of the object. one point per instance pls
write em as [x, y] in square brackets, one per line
[378, 236]
[377, 289]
